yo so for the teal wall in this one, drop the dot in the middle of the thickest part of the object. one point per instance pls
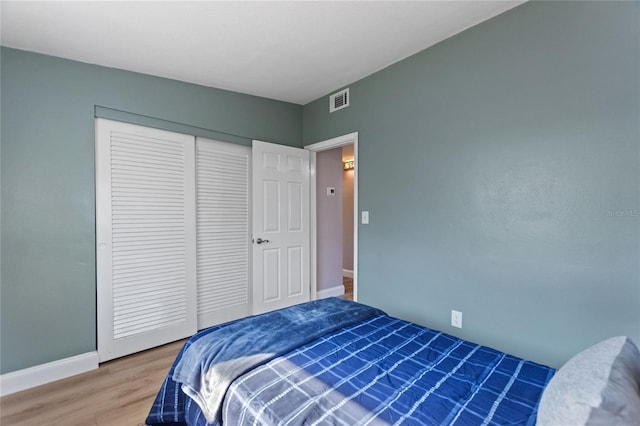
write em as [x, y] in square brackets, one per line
[501, 169]
[47, 291]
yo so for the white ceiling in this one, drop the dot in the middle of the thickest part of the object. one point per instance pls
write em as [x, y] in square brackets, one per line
[294, 51]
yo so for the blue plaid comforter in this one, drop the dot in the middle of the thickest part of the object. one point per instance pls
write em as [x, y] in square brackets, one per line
[380, 371]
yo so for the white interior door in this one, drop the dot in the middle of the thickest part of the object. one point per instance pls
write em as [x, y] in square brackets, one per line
[280, 226]
[145, 234]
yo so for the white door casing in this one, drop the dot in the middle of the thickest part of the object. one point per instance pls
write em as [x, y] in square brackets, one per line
[339, 141]
[145, 235]
[281, 231]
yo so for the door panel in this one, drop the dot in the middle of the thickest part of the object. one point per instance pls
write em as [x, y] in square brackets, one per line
[271, 203]
[223, 173]
[280, 226]
[296, 268]
[272, 266]
[145, 232]
[295, 208]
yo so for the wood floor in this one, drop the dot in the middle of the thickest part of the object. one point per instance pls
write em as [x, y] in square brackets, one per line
[348, 288]
[119, 392]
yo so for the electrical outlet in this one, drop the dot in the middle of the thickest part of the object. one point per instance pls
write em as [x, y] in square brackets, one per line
[456, 319]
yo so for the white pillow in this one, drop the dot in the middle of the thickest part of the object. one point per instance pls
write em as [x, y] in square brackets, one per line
[598, 386]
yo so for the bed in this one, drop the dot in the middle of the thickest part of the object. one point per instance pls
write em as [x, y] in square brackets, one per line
[336, 362]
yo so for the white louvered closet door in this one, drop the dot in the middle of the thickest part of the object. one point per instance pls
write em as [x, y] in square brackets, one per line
[145, 234]
[223, 208]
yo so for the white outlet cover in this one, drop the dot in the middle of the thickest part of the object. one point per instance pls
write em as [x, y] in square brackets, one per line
[456, 319]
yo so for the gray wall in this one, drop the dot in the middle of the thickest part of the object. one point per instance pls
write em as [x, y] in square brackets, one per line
[329, 218]
[48, 305]
[501, 169]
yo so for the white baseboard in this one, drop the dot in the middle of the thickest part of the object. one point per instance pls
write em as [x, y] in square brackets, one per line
[330, 292]
[347, 273]
[46, 373]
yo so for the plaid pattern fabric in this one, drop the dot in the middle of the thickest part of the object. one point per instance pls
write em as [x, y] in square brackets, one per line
[385, 371]
[382, 371]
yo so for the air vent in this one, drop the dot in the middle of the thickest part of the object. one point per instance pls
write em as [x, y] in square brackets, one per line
[339, 100]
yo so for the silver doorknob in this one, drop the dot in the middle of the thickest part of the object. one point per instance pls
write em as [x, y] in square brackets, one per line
[260, 241]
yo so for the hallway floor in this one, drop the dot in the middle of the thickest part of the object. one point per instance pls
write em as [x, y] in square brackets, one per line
[348, 288]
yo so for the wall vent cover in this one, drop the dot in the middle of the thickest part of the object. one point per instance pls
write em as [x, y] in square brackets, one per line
[339, 100]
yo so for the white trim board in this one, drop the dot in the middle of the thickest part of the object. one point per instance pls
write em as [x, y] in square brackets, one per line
[31, 377]
[330, 292]
[347, 273]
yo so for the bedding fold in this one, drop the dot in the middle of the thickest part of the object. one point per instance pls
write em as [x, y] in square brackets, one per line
[211, 363]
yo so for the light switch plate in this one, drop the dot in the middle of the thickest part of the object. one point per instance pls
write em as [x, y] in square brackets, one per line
[365, 217]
